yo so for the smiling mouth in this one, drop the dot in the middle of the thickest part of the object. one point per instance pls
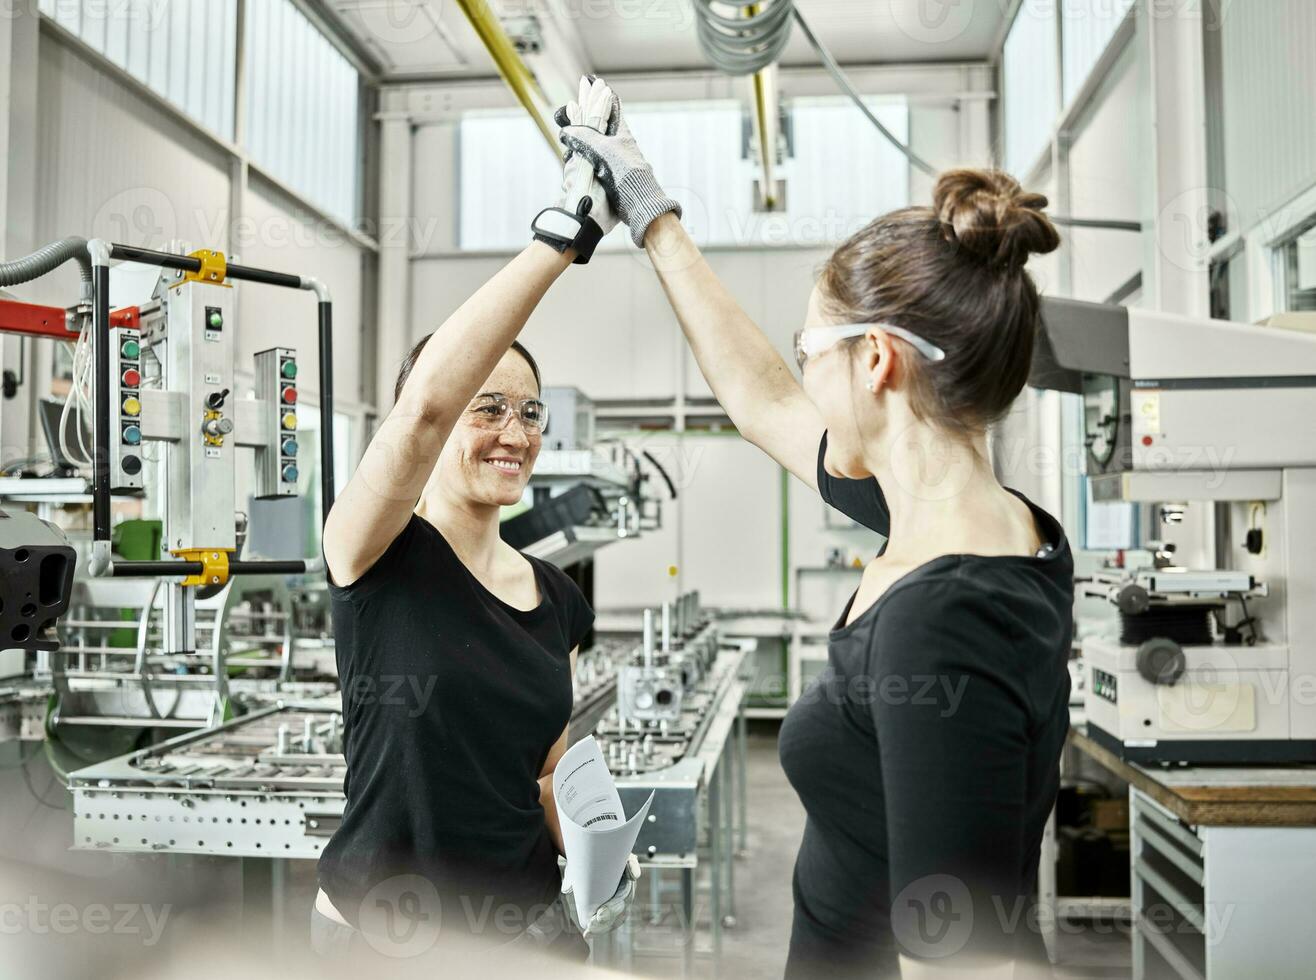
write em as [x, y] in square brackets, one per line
[511, 466]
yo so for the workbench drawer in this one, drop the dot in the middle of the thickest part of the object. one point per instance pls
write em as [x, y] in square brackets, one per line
[1169, 891]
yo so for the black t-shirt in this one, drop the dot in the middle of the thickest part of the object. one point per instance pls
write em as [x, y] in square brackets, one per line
[926, 756]
[451, 701]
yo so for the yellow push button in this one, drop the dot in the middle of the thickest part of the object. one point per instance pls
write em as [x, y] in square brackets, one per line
[290, 420]
[131, 406]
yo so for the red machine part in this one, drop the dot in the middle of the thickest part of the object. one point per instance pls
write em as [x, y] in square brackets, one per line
[35, 320]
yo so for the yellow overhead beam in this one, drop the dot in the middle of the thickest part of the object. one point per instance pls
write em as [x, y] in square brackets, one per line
[519, 78]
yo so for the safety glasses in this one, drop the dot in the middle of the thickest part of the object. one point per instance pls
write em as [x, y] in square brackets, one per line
[493, 410]
[812, 341]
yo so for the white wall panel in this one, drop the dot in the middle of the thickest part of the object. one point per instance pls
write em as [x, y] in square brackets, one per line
[1030, 66]
[171, 187]
[277, 236]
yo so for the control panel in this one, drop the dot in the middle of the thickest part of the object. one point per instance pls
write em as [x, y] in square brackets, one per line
[1105, 685]
[276, 389]
[126, 461]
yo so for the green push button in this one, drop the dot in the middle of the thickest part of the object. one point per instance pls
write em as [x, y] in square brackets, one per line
[289, 369]
[131, 349]
[216, 320]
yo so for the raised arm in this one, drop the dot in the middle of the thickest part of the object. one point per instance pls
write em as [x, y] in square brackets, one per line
[379, 498]
[746, 373]
[749, 378]
[462, 353]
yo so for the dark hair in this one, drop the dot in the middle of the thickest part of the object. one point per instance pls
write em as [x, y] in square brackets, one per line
[409, 362]
[953, 274]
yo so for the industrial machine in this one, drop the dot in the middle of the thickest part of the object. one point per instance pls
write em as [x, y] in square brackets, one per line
[1211, 664]
[167, 421]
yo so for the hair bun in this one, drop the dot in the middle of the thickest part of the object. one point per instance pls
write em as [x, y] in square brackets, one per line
[992, 217]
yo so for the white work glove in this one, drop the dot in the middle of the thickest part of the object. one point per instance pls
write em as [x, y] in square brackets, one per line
[626, 175]
[611, 913]
[582, 216]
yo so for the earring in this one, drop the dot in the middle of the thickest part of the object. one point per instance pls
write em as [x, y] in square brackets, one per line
[872, 386]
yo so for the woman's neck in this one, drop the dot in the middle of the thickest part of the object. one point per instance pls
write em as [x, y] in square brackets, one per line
[942, 494]
[470, 528]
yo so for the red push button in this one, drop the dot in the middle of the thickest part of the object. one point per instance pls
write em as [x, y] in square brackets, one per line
[289, 396]
[132, 378]
[1146, 440]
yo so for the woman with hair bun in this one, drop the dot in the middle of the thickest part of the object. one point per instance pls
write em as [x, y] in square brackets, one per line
[926, 754]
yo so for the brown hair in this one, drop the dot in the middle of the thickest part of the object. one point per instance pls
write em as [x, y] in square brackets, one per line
[409, 362]
[953, 274]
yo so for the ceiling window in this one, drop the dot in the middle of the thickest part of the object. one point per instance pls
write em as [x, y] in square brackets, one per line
[1030, 68]
[303, 102]
[183, 50]
[701, 155]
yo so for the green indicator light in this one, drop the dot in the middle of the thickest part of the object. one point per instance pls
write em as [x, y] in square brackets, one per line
[216, 320]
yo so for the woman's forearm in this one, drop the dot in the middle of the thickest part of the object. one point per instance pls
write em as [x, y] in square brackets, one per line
[549, 804]
[737, 359]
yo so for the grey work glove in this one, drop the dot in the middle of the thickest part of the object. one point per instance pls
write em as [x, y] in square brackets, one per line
[611, 913]
[582, 216]
[625, 173]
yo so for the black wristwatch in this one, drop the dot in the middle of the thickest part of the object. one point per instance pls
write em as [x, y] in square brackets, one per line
[560, 229]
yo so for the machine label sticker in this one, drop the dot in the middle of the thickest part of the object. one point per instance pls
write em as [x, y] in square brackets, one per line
[212, 452]
[212, 379]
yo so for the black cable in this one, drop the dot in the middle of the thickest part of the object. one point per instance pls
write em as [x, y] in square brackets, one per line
[671, 487]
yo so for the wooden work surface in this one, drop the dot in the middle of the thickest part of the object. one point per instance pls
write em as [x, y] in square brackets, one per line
[1220, 796]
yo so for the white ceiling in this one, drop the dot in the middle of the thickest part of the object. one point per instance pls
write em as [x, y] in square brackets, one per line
[432, 37]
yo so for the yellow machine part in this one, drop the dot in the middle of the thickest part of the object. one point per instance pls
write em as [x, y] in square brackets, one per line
[214, 267]
[214, 565]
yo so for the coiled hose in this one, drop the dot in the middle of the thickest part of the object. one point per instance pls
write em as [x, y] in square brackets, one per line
[48, 258]
[754, 35]
[748, 37]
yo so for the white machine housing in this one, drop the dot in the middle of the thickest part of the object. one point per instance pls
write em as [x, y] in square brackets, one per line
[1204, 410]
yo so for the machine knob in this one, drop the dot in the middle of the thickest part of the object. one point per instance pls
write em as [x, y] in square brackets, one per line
[132, 378]
[132, 406]
[1132, 599]
[132, 435]
[132, 465]
[1161, 661]
[131, 349]
[215, 400]
[218, 427]
[289, 447]
[289, 395]
[289, 369]
[290, 474]
[289, 420]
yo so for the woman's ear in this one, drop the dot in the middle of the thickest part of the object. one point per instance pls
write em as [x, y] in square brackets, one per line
[878, 360]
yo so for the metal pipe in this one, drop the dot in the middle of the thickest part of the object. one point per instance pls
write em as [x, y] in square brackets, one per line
[519, 78]
[648, 639]
[100, 438]
[182, 569]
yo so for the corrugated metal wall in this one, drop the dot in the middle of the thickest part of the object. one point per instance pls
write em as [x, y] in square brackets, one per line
[1031, 93]
[1086, 28]
[1269, 105]
[302, 107]
[184, 50]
